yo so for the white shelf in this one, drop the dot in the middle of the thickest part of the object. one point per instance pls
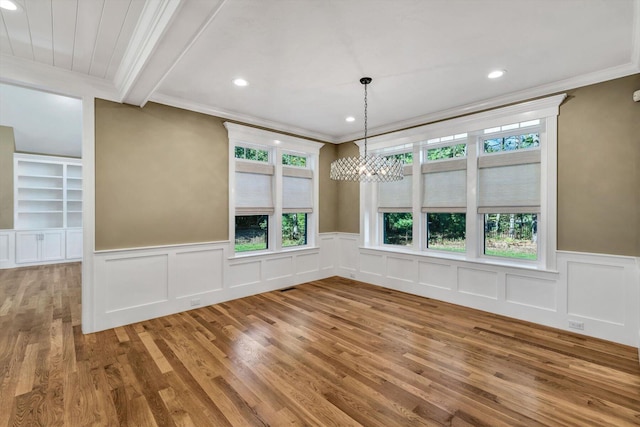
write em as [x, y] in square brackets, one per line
[48, 192]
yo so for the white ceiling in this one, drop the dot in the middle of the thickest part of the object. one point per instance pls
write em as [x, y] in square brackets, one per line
[303, 58]
[42, 122]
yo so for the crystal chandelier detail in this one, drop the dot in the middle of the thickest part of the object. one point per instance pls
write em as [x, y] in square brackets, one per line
[367, 167]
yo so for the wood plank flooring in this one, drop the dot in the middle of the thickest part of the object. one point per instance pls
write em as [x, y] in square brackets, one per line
[333, 352]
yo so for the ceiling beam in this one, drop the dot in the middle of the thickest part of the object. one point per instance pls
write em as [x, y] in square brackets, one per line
[140, 79]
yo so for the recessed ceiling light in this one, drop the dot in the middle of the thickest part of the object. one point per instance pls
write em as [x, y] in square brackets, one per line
[277, 141]
[240, 82]
[8, 5]
[496, 74]
[350, 119]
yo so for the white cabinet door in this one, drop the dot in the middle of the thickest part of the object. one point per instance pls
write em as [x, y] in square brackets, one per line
[27, 246]
[74, 244]
[52, 245]
[36, 246]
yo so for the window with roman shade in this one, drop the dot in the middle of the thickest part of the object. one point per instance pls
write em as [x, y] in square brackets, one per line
[273, 190]
[396, 196]
[254, 188]
[297, 190]
[509, 182]
[444, 186]
[487, 188]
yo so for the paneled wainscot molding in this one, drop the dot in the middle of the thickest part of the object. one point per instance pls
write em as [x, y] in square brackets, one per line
[601, 292]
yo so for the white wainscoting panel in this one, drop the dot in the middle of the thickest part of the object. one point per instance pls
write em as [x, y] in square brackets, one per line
[602, 291]
[477, 282]
[198, 272]
[436, 275]
[589, 283]
[347, 253]
[244, 273]
[279, 268]
[7, 249]
[372, 264]
[401, 268]
[132, 282]
[328, 253]
[138, 284]
[531, 292]
[307, 263]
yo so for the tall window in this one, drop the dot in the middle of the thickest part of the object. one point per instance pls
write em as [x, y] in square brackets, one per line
[509, 189]
[487, 188]
[273, 191]
[394, 205]
[444, 186]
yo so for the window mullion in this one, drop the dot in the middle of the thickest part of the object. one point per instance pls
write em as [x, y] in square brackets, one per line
[473, 226]
[418, 224]
[275, 224]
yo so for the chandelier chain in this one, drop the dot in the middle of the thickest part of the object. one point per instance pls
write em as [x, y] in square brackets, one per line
[365, 118]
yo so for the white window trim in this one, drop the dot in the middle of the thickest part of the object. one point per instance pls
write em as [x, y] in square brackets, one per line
[276, 144]
[546, 109]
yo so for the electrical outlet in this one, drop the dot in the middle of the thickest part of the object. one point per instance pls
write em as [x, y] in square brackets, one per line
[195, 302]
[575, 324]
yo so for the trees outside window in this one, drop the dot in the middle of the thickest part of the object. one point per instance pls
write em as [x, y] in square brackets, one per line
[398, 228]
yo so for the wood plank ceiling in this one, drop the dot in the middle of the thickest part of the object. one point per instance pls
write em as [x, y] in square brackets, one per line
[86, 37]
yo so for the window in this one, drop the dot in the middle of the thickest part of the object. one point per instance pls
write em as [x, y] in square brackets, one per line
[486, 190]
[294, 160]
[251, 233]
[446, 231]
[448, 152]
[273, 190]
[444, 199]
[405, 158]
[394, 206]
[249, 153]
[511, 235]
[398, 228]
[294, 229]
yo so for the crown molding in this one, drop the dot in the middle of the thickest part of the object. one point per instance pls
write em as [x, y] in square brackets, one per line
[519, 96]
[45, 77]
[238, 117]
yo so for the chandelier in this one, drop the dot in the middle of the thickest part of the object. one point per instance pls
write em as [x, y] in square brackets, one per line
[367, 167]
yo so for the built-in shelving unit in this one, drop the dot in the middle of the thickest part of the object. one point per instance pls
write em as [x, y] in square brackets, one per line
[48, 206]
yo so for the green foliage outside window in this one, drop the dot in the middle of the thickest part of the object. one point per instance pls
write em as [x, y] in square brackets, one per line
[446, 231]
[398, 228]
[511, 143]
[449, 152]
[511, 235]
[251, 154]
[293, 160]
[405, 158]
[251, 233]
[294, 229]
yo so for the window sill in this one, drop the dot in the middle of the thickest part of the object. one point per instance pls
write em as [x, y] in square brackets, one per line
[462, 258]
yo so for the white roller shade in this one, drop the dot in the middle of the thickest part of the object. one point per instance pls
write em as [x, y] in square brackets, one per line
[254, 194]
[444, 191]
[297, 194]
[395, 195]
[509, 186]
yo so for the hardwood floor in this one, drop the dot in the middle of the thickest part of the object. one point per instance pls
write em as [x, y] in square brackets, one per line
[333, 352]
